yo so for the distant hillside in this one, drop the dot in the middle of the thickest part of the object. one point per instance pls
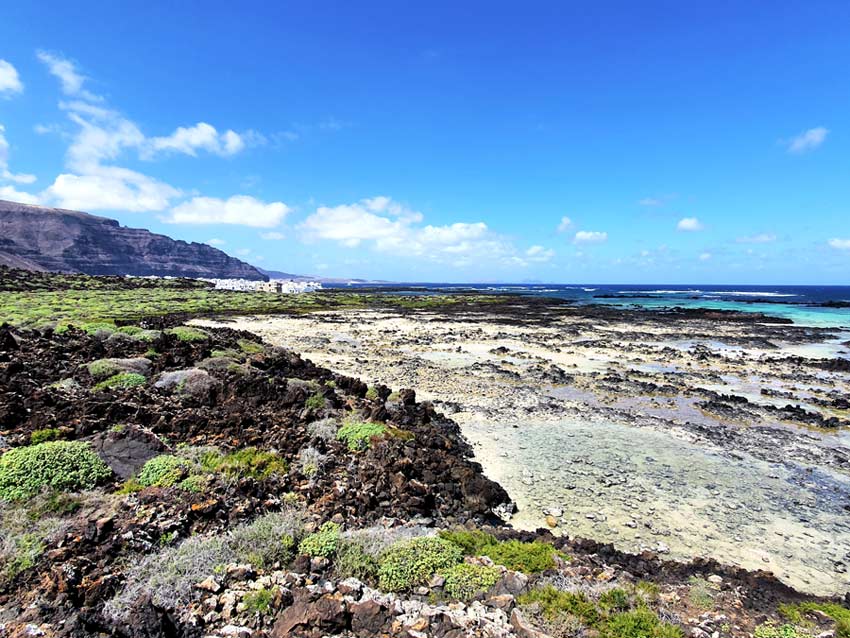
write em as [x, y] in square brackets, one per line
[276, 274]
[53, 239]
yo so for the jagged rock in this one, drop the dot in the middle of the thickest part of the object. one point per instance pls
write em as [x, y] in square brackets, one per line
[522, 627]
[303, 618]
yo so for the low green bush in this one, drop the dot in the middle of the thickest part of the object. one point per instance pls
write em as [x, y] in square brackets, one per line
[615, 600]
[250, 347]
[409, 563]
[28, 548]
[60, 465]
[47, 434]
[352, 561]
[464, 581]
[122, 380]
[258, 601]
[640, 623]
[358, 435]
[247, 462]
[103, 368]
[529, 558]
[771, 630]
[187, 333]
[164, 470]
[322, 543]
[841, 615]
[315, 402]
[554, 604]
[472, 542]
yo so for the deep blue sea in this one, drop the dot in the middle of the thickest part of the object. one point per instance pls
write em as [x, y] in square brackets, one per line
[799, 303]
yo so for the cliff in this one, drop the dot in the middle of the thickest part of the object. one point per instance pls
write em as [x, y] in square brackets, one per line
[38, 238]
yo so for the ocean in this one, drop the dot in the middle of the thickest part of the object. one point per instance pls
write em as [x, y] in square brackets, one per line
[801, 304]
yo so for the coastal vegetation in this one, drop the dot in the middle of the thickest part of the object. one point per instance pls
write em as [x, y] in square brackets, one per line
[106, 310]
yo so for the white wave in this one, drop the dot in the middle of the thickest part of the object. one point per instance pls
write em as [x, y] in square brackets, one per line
[658, 292]
[743, 293]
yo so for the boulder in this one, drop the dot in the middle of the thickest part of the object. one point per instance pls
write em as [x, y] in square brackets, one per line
[126, 449]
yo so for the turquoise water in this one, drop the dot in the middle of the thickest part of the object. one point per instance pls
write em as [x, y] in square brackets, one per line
[801, 304]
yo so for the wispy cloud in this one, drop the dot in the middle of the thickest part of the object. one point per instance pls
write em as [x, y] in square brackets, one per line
[759, 238]
[840, 244]
[808, 140]
[10, 82]
[590, 237]
[565, 224]
[5, 173]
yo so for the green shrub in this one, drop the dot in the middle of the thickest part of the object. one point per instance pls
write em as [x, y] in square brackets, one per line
[647, 590]
[770, 630]
[529, 558]
[164, 470]
[247, 462]
[103, 368]
[464, 581]
[28, 548]
[121, 380]
[472, 542]
[315, 402]
[322, 543]
[47, 434]
[701, 593]
[640, 623]
[196, 483]
[554, 604]
[407, 564]
[372, 394]
[61, 465]
[186, 333]
[250, 347]
[841, 615]
[615, 600]
[269, 539]
[358, 435]
[259, 601]
[352, 561]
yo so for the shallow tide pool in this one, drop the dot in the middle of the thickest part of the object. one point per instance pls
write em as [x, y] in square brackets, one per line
[643, 489]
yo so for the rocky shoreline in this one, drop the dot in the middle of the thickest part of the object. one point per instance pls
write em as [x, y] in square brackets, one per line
[737, 394]
[239, 489]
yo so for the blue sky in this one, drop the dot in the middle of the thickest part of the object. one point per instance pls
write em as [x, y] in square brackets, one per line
[600, 142]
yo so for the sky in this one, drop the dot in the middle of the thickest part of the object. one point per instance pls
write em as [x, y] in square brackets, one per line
[562, 142]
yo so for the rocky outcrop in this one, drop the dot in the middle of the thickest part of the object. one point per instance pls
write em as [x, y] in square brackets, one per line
[38, 238]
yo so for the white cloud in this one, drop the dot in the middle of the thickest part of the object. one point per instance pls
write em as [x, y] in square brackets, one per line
[705, 256]
[243, 252]
[10, 83]
[590, 237]
[565, 224]
[243, 210]
[808, 140]
[759, 238]
[273, 235]
[5, 173]
[103, 135]
[216, 242]
[70, 79]
[11, 194]
[539, 254]
[394, 228]
[110, 188]
[202, 136]
[840, 244]
[689, 224]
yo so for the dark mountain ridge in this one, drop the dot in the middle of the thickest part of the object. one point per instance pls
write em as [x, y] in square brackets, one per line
[54, 239]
